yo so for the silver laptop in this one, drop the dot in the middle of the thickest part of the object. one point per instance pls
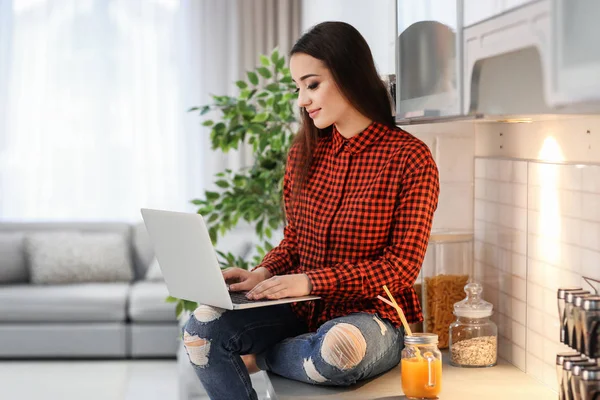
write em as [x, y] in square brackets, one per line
[189, 262]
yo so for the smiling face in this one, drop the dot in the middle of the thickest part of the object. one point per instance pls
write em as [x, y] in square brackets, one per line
[318, 92]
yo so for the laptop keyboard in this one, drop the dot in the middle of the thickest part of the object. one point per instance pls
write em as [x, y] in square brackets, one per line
[240, 298]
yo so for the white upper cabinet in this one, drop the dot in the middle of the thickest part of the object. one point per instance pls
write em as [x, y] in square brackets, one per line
[473, 58]
[576, 52]
[531, 57]
[476, 11]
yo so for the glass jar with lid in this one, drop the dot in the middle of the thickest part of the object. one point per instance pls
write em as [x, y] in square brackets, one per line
[447, 268]
[568, 365]
[576, 378]
[421, 366]
[560, 295]
[473, 336]
[589, 384]
[560, 359]
[590, 326]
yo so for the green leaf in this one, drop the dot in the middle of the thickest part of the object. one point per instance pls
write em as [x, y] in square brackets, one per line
[189, 305]
[241, 84]
[280, 64]
[253, 78]
[273, 87]
[179, 309]
[171, 299]
[244, 94]
[275, 56]
[211, 196]
[208, 122]
[212, 232]
[239, 181]
[265, 61]
[260, 117]
[259, 227]
[265, 73]
[193, 109]
[276, 143]
[204, 110]
[222, 184]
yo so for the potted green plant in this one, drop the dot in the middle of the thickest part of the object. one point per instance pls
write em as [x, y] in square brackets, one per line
[263, 116]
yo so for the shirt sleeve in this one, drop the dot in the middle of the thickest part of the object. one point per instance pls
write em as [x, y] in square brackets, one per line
[400, 263]
[284, 257]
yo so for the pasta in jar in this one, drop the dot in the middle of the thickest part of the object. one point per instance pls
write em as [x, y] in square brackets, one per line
[441, 292]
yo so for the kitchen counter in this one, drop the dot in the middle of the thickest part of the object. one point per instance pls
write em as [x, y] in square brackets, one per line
[504, 381]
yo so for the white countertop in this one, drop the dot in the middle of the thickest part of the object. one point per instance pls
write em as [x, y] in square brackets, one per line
[502, 382]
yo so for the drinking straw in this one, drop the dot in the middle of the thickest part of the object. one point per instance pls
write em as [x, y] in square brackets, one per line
[398, 309]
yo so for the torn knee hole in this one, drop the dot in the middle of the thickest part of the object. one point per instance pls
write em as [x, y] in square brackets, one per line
[207, 313]
[344, 346]
[196, 348]
[311, 371]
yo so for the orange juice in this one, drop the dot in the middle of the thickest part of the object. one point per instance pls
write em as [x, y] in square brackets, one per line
[415, 378]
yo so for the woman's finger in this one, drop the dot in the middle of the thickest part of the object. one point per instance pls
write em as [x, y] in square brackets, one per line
[264, 285]
[279, 295]
[270, 291]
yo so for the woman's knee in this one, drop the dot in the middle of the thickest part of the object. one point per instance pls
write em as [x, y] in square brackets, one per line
[342, 350]
[199, 333]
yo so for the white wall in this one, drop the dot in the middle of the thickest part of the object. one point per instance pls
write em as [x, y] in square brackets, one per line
[453, 147]
[537, 228]
[375, 20]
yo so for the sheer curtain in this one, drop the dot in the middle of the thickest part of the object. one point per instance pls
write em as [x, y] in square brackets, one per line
[227, 41]
[94, 110]
[94, 93]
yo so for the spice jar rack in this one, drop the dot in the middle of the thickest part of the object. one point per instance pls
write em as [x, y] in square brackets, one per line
[578, 372]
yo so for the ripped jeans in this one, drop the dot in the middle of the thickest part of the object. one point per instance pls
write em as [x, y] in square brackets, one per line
[341, 352]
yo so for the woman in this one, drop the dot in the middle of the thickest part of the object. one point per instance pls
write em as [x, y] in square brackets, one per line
[359, 195]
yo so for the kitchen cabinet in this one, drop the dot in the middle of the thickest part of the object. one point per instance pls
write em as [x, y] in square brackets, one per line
[471, 58]
[576, 51]
[428, 58]
[559, 34]
[476, 11]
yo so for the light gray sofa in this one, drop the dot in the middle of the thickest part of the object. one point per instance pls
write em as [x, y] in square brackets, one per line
[129, 318]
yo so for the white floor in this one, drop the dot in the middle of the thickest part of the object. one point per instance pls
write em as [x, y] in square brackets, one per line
[88, 380]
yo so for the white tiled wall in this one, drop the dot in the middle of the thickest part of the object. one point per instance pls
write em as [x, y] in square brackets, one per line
[501, 249]
[453, 148]
[537, 228]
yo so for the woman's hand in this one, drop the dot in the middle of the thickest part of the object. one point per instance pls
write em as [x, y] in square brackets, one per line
[241, 280]
[280, 286]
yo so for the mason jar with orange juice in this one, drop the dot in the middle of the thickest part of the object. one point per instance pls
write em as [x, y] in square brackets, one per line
[421, 366]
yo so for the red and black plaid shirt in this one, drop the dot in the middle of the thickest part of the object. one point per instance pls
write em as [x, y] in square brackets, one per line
[363, 221]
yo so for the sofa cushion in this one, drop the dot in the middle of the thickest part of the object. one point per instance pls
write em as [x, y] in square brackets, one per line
[147, 303]
[143, 253]
[69, 257]
[13, 268]
[88, 302]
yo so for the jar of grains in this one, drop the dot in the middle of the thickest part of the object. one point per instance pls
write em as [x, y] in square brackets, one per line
[473, 336]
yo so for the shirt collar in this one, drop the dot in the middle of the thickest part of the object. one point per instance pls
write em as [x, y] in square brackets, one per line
[359, 142]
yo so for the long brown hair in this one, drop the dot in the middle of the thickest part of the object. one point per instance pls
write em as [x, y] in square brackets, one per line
[346, 54]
